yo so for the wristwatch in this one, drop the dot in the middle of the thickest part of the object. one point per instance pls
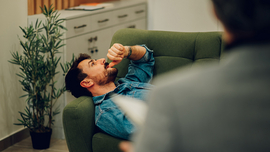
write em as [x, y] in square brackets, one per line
[130, 52]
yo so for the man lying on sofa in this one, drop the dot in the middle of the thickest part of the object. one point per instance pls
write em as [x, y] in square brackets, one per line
[95, 78]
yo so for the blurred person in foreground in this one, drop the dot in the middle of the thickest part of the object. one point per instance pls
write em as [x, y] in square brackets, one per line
[222, 107]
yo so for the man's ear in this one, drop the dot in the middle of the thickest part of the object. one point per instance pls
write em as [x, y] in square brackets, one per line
[87, 83]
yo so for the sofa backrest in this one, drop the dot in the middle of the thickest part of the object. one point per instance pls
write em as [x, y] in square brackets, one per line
[171, 49]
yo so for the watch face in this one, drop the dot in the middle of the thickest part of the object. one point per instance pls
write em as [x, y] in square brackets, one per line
[130, 51]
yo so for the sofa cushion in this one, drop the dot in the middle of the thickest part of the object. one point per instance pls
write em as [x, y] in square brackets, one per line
[164, 64]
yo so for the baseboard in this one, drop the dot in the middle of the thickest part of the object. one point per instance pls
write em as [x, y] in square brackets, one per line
[13, 139]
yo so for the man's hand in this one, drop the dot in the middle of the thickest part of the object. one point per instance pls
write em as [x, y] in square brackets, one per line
[116, 53]
[126, 146]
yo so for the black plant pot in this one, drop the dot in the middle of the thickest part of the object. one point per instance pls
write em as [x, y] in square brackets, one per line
[41, 140]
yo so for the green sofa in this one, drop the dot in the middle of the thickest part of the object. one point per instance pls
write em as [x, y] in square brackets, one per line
[171, 50]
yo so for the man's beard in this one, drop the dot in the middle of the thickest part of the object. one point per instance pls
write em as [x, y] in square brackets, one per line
[110, 75]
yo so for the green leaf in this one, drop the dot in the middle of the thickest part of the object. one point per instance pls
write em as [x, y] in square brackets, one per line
[62, 27]
[56, 15]
[51, 9]
[57, 44]
[36, 23]
[60, 21]
[18, 124]
[23, 96]
[20, 75]
[62, 67]
[27, 111]
[22, 122]
[39, 24]
[23, 30]
[60, 46]
[46, 11]
[42, 10]
[23, 115]
[57, 111]
[52, 32]
[23, 45]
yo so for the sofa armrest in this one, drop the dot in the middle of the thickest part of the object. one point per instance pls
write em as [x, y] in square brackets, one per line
[79, 124]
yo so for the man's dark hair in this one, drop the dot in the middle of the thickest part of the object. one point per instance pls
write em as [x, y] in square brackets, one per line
[75, 76]
[245, 18]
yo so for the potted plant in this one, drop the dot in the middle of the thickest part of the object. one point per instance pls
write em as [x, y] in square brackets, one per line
[38, 68]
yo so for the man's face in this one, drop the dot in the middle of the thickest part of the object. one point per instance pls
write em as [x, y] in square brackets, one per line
[98, 70]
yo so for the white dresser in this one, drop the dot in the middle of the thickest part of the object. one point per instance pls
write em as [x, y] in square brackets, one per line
[91, 32]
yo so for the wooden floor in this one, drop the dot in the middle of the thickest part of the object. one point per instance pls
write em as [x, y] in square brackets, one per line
[57, 145]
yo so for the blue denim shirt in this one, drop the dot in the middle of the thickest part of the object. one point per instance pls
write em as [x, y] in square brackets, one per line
[135, 84]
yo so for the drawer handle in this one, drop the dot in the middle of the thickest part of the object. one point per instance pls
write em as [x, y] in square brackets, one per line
[138, 12]
[102, 21]
[76, 27]
[93, 39]
[122, 16]
[132, 26]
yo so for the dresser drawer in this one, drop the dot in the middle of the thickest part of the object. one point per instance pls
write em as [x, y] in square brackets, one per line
[102, 20]
[96, 44]
[123, 15]
[138, 24]
[129, 14]
[78, 26]
[139, 11]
